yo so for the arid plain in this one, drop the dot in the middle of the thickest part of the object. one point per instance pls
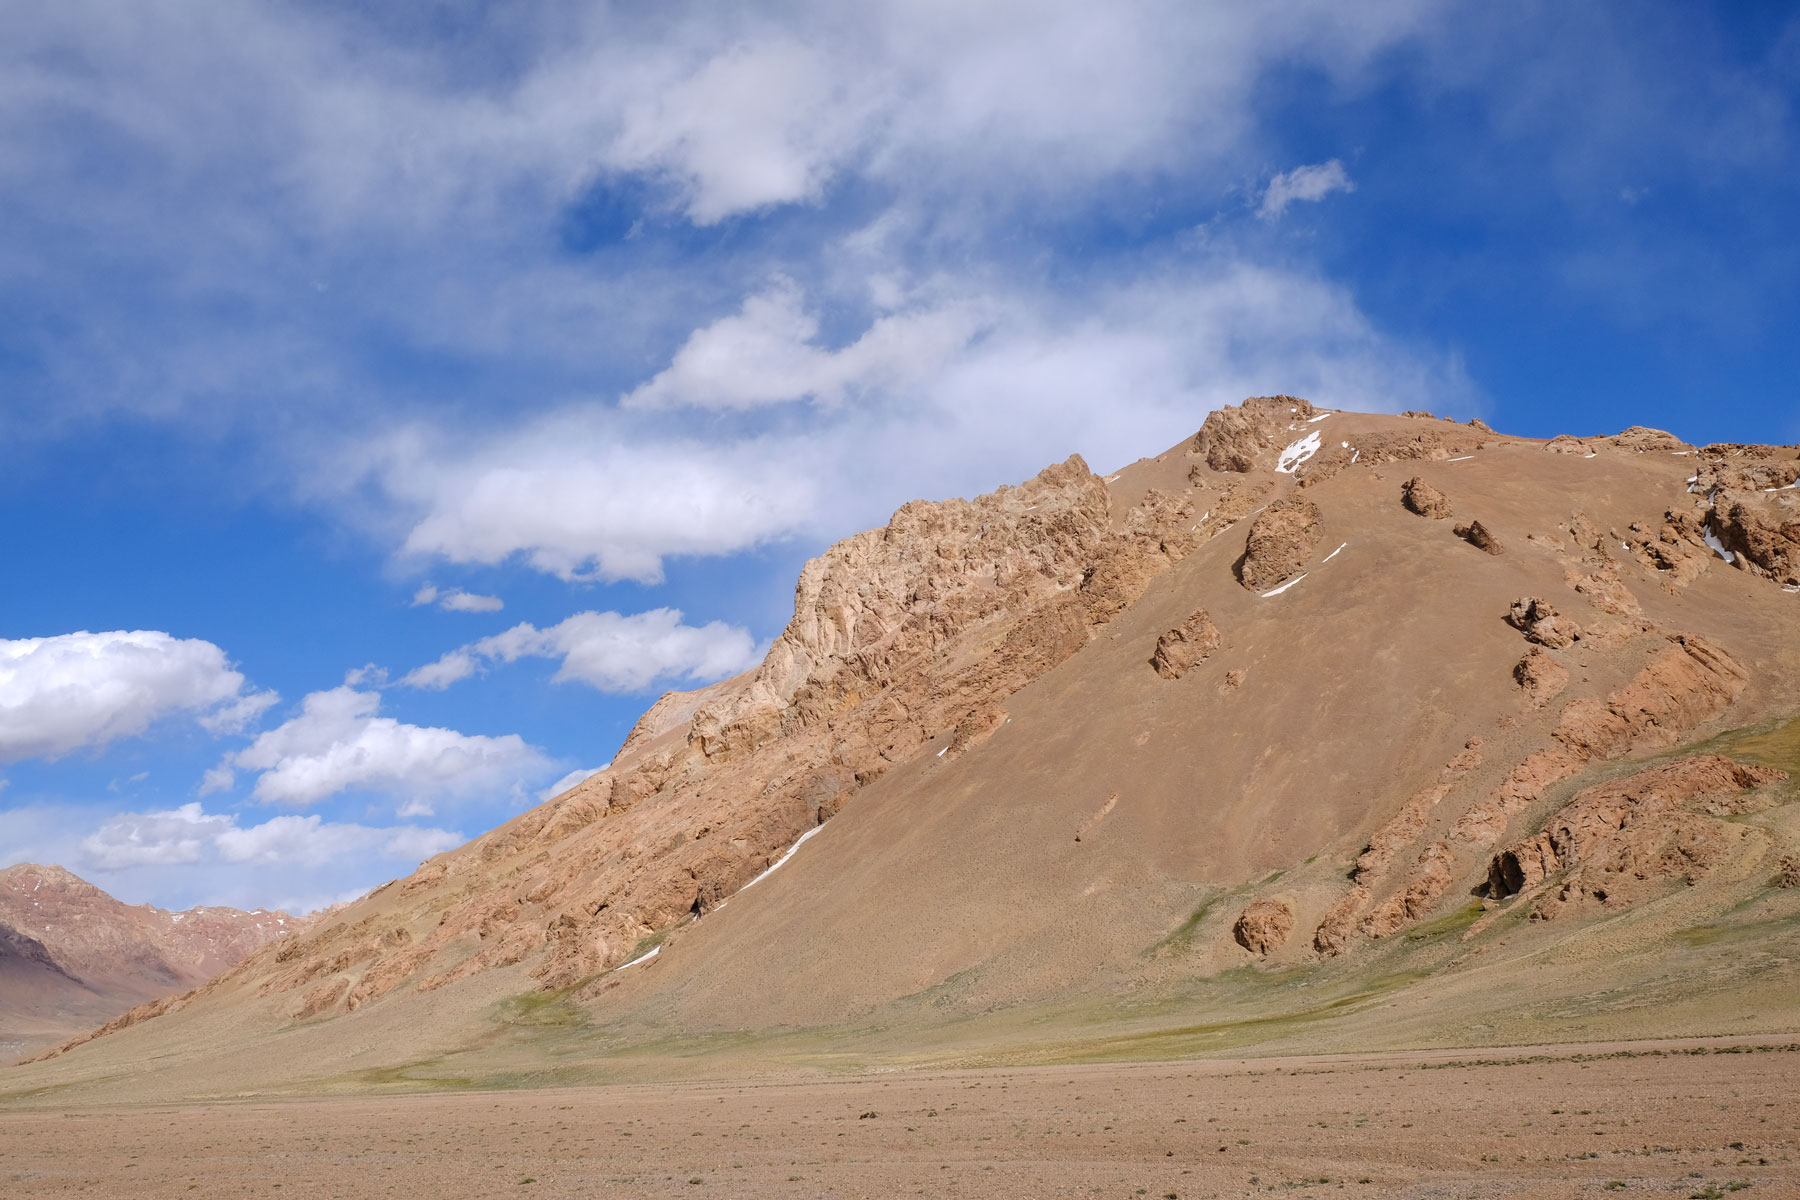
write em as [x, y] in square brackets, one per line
[1680, 1119]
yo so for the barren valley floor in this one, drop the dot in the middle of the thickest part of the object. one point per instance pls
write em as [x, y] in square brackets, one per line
[1653, 1119]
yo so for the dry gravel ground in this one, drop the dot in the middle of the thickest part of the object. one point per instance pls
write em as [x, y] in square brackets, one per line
[1650, 1122]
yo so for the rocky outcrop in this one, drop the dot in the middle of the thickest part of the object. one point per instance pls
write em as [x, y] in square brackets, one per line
[1542, 677]
[901, 635]
[1641, 439]
[1281, 539]
[1419, 890]
[1615, 841]
[1422, 498]
[1264, 926]
[1186, 644]
[1684, 685]
[1480, 537]
[1242, 437]
[1427, 884]
[1762, 532]
[1539, 621]
[1566, 443]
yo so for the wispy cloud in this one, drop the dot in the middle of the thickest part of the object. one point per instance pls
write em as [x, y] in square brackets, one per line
[1310, 184]
[607, 650]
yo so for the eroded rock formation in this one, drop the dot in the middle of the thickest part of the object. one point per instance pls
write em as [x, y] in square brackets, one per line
[1186, 644]
[1264, 926]
[1281, 540]
[1614, 841]
[1539, 621]
[1422, 498]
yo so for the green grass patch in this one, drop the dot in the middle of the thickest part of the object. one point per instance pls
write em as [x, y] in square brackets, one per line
[1182, 936]
[541, 1010]
[1455, 922]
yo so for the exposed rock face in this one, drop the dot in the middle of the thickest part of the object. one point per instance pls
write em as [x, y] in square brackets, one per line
[1239, 438]
[1420, 497]
[1264, 926]
[900, 635]
[1420, 888]
[1427, 885]
[1186, 644]
[1480, 537]
[1618, 839]
[1565, 443]
[1641, 439]
[1762, 532]
[1539, 621]
[1542, 677]
[1281, 539]
[1789, 874]
[1681, 687]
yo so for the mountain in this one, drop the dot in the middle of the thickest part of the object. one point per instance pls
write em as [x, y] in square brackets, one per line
[72, 956]
[1319, 730]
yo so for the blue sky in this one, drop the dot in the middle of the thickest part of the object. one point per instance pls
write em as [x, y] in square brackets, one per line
[392, 406]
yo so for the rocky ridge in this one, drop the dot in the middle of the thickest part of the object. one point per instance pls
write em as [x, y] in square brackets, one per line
[908, 642]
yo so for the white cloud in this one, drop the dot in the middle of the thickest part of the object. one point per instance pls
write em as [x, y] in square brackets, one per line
[338, 742]
[189, 835]
[1303, 183]
[568, 781]
[581, 498]
[768, 353]
[970, 387]
[610, 651]
[456, 600]
[76, 690]
[470, 602]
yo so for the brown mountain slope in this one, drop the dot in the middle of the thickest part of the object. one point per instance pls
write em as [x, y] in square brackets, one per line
[1299, 685]
[72, 956]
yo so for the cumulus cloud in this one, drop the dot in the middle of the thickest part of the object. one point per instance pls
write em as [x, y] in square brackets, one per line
[338, 743]
[580, 498]
[190, 835]
[456, 600]
[1303, 183]
[607, 650]
[75, 690]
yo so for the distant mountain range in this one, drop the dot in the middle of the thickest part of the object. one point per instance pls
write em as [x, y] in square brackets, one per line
[72, 956]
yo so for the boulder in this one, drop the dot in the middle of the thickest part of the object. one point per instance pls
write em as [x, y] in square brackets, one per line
[1280, 542]
[1480, 537]
[1539, 621]
[1420, 497]
[1264, 926]
[1186, 644]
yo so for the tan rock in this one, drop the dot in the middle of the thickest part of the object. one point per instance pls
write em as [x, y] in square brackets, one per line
[1281, 540]
[1188, 643]
[1542, 677]
[1240, 438]
[1615, 838]
[1422, 498]
[1264, 926]
[1480, 537]
[1539, 621]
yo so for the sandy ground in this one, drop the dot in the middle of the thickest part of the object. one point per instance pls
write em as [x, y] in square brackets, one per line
[1653, 1122]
